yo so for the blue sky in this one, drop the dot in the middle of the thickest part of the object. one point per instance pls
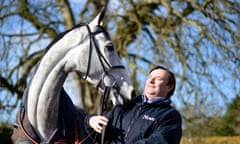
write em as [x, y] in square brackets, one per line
[223, 79]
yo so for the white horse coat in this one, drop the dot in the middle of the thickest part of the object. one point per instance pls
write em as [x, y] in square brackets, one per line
[86, 50]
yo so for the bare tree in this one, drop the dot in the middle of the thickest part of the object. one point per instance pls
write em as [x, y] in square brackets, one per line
[197, 40]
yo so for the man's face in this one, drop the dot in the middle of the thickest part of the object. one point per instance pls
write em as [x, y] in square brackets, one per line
[156, 84]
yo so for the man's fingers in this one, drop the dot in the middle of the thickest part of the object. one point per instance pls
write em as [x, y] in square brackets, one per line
[102, 122]
[97, 123]
[99, 129]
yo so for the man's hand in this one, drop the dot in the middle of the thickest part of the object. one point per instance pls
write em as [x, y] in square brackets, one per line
[97, 123]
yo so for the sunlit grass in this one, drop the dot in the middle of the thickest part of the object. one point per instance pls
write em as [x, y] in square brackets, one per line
[211, 140]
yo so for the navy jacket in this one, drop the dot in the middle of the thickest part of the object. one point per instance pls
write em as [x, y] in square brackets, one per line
[144, 123]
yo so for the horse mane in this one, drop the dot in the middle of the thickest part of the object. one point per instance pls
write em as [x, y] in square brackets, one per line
[59, 36]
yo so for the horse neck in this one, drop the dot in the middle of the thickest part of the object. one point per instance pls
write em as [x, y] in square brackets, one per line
[44, 93]
[66, 55]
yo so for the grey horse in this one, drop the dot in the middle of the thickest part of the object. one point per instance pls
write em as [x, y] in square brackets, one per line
[86, 50]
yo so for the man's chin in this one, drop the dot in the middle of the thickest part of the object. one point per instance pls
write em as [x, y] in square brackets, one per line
[151, 95]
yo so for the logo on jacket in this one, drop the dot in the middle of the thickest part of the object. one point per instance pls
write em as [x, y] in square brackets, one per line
[147, 117]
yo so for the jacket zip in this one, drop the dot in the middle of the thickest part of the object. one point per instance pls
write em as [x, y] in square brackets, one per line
[133, 120]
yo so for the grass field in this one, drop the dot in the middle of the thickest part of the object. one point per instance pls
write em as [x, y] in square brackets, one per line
[211, 140]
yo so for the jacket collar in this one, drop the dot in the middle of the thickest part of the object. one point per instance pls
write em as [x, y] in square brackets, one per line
[153, 100]
[161, 101]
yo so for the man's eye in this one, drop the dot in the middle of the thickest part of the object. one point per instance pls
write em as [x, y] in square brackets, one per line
[158, 79]
[155, 78]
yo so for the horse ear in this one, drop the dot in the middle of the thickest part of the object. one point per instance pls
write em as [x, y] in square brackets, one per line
[98, 20]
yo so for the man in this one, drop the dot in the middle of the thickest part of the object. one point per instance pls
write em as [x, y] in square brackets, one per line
[149, 118]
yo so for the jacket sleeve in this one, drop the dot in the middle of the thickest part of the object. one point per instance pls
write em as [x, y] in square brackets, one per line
[167, 131]
[92, 135]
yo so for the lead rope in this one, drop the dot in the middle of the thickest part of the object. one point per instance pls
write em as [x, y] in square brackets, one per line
[77, 138]
[103, 107]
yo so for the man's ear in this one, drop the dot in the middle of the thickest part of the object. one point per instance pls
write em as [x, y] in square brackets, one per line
[170, 87]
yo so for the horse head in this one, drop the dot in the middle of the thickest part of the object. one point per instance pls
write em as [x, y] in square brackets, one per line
[107, 70]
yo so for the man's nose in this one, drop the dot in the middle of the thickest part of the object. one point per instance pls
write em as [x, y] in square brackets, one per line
[151, 79]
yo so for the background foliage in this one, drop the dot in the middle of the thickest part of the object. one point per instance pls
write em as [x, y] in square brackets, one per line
[211, 140]
[197, 39]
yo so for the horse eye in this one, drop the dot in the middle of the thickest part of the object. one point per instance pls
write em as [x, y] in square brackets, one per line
[110, 47]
